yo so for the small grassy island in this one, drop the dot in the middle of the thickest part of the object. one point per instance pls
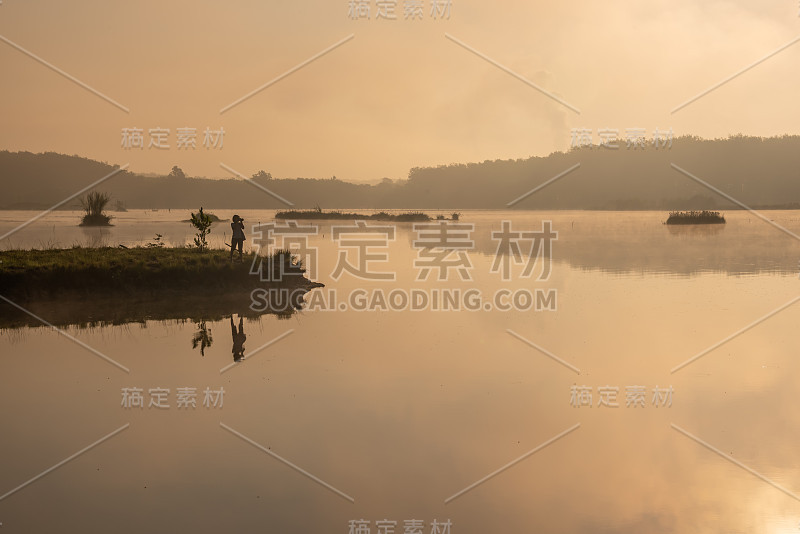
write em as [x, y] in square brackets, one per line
[695, 217]
[94, 205]
[411, 216]
[156, 271]
[95, 286]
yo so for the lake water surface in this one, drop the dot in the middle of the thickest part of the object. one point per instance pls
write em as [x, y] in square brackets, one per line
[480, 417]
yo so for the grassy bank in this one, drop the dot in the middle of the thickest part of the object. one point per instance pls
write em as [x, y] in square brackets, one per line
[91, 272]
[410, 216]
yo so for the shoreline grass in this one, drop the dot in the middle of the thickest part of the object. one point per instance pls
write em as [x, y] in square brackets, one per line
[154, 271]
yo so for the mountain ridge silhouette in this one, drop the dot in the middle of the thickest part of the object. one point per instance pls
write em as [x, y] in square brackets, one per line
[756, 171]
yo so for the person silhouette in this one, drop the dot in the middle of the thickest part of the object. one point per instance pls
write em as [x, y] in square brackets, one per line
[238, 339]
[237, 239]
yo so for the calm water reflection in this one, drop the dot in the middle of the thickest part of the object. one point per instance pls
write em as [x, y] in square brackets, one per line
[403, 410]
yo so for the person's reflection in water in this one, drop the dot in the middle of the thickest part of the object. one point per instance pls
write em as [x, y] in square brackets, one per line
[238, 340]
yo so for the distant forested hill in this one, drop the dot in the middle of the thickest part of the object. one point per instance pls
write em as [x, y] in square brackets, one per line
[757, 171]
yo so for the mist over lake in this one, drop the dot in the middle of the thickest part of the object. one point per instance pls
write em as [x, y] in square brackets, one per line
[399, 267]
[401, 409]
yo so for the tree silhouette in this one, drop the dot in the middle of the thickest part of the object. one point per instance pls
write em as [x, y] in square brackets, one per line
[261, 175]
[177, 172]
[202, 222]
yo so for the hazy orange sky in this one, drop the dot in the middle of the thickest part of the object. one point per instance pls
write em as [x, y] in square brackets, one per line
[399, 94]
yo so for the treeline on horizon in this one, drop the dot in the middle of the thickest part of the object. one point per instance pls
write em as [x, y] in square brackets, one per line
[759, 172]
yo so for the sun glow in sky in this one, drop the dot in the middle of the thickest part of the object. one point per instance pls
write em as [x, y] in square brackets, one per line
[399, 93]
